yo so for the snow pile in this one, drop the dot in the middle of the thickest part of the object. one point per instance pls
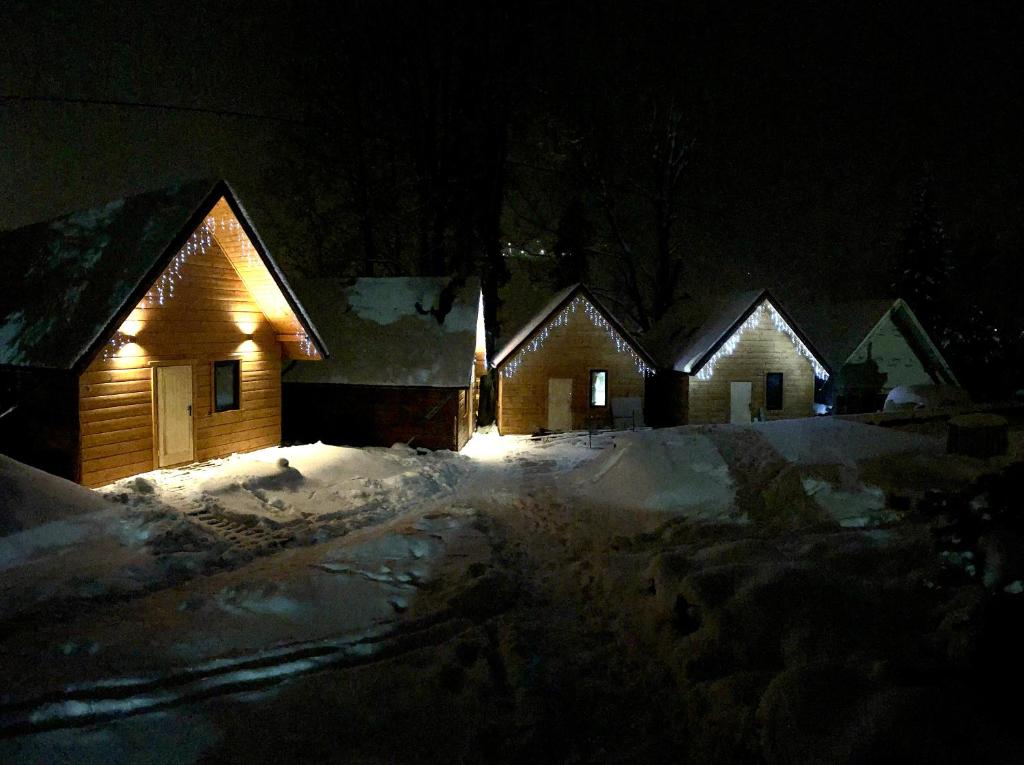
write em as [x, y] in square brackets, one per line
[833, 441]
[305, 484]
[675, 471]
[30, 497]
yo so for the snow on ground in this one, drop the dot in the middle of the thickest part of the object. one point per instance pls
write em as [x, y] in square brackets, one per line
[371, 544]
[30, 497]
[316, 492]
[833, 441]
[289, 484]
[674, 471]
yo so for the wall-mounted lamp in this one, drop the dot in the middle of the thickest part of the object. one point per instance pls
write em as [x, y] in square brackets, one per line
[130, 328]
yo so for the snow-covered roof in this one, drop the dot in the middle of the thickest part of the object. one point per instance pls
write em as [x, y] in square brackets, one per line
[689, 334]
[841, 328]
[394, 331]
[538, 319]
[67, 284]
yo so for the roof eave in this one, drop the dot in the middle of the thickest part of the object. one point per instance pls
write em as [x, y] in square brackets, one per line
[762, 296]
[219, 189]
[275, 271]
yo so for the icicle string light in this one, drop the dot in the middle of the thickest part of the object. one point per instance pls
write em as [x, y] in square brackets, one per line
[200, 241]
[729, 346]
[578, 304]
[306, 345]
[114, 345]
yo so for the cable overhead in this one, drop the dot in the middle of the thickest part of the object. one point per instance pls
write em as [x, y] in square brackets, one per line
[148, 105]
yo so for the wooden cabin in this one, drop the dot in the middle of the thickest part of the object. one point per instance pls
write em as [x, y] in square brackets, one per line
[874, 346]
[571, 366]
[409, 352]
[145, 333]
[744, 356]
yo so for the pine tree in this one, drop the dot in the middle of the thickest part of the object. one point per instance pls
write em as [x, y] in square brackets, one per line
[571, 249]
[923, 268]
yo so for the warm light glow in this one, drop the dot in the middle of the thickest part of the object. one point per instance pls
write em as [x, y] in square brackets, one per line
[491, 447]
[248, 328]
[248, 346]
[131, 327]
[481, 333]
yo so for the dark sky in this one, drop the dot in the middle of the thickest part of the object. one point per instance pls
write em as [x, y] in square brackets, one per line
[815, 119]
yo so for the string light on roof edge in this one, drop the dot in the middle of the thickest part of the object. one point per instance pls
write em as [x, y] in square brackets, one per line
[200, 241]
[537, 342]
[729, 346]
[306, 345]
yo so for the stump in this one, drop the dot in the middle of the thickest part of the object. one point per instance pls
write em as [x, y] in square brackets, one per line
[977, 435]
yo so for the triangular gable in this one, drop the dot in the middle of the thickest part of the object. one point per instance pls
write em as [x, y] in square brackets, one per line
[917, 337]
[96, 267]
[570, 300]
[724, 343]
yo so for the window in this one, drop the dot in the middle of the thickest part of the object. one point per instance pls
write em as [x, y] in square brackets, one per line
[773, 391]
[226, 376]
[598, 387]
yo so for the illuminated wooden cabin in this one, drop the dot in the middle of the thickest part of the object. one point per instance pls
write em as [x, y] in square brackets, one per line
[408, 355]
[744, 358]
[571, 366]
[142, 334]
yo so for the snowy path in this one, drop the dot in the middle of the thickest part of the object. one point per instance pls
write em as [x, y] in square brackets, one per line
[454, 590]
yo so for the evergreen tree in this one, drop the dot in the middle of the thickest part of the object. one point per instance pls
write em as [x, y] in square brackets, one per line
[923, 267]
[571, 250]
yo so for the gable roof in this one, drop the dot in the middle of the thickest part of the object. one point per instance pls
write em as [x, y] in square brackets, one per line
[66, 285]
[394, 331]
[689, 336]
[842, 328]
[559, 301]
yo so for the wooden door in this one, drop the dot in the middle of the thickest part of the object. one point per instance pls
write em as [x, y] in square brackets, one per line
[739, 403]
[174, 415]
[559, 403]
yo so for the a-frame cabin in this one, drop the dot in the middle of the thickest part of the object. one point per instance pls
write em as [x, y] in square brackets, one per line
[571, 366]
[145, 333]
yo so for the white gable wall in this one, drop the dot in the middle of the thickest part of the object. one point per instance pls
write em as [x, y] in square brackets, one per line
[896, 359]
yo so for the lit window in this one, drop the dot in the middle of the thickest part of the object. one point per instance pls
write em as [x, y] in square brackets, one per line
[773, 391]
[226, 386]
[598, 387]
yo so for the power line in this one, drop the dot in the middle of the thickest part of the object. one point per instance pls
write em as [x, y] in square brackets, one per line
[148, 105]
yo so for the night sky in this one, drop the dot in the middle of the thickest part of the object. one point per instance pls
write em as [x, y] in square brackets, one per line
[811, 123]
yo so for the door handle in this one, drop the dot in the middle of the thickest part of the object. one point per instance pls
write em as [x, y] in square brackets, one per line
[190, 410]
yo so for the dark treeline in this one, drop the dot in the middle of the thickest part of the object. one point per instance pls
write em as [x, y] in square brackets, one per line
[661, 149]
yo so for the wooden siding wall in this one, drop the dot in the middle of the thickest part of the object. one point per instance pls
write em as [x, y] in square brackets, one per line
[368, 415]
[761, 349]
[258, 280]
[206, 320]
[570, 351]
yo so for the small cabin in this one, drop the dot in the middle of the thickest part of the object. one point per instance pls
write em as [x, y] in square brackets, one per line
[145, 333]
[408, 356]
[874, 346]
[744, 356]
[571, 366]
